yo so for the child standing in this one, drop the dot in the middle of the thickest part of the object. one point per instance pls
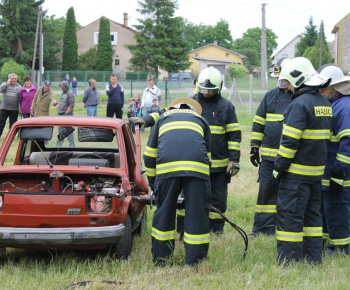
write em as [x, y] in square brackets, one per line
[137, 106]
[131, 113]
[154, 108]
[74, 86]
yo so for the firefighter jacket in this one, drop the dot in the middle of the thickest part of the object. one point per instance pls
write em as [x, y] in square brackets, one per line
[225, 131]
[338, 159]
[305, 136]
[268, 122]
[178, 146]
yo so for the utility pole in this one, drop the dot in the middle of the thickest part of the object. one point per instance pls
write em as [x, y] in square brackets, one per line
[35, 46]
[263, 66]
[321, 44]
[41, 50]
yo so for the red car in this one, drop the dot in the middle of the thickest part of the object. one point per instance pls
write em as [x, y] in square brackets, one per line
[71, 182]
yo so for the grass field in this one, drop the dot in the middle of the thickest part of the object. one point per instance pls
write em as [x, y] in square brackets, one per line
[24, 269]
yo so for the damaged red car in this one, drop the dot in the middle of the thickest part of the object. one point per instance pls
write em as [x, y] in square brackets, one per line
[71, 183]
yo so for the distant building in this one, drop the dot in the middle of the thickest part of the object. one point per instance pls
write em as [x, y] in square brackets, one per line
[288, 50]
[342, 43]
[121, 35]
[213, 55]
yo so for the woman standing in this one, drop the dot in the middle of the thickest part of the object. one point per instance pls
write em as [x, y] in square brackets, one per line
[26, 96]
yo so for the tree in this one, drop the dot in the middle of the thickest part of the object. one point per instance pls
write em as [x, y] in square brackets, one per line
[88, 60]
[70, 44]
[252, 39]
[104, 47]
[159, 41]
[309, 38]
[13, 67]
[17, 29]
[237, 70]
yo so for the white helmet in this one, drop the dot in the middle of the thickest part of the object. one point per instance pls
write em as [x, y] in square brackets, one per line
[300, 71]
[209, 81]
[334, 72]
[278, 66]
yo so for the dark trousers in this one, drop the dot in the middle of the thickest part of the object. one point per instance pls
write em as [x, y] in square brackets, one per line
[299, 222]
[196, 227]
[265, 209]
[218, 181]
[337, 211]
[115, 109]
[4, 114]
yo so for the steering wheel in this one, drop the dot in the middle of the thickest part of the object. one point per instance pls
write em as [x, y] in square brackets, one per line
[90, 154]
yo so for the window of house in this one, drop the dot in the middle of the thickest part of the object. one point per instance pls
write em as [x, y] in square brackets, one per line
[196, 54]
[116, 62]
[114, 38]
[227, 54]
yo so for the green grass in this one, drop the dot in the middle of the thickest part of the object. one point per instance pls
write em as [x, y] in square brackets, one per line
[25, 269]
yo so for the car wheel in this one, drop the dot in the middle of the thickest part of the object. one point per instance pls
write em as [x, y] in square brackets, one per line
[141, 227]
[122, 249]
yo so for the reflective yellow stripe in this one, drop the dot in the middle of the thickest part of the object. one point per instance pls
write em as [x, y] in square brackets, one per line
[269, 152]
[150, 172]
[334, 139]
[209, 156]
[232, 127]
[217, 130]
[180, 212]
[291, 132]
[234, 145]
[257, 136]
[274, 117]
[325, 182]
[182, 166]
[339, 242]
[325, 236]
[155, 116]
[270, 208]
[196, 239]
[163, 236]
[214, 215]
[290, 236]
[219, 163]
[151, 152]
[343, 158]
[181, 125]
[316, 134]
[313, 231]
[343, 133]
[274, 173]
[259, 120]
[306, 170]
[286, 152]
[346, 183]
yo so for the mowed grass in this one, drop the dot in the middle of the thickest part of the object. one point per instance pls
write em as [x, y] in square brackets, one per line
[224, 269]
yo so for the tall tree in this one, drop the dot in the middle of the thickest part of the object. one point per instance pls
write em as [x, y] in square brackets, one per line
[160, 41]
[70, 44]
[309, 38]
[251, 40]
[17, 29]
[104, 47]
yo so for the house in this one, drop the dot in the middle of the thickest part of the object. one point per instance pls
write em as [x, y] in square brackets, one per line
[213, 55]
[288, 50]
[342, 43]
[121, 34]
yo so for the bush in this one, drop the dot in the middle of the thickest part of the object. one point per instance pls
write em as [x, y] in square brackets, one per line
[237, 71]
[13, 67]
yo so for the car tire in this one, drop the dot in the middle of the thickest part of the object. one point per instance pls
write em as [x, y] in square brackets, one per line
[141, 227]
[122, 249]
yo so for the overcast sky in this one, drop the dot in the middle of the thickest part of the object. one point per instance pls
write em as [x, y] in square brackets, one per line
[287, 19]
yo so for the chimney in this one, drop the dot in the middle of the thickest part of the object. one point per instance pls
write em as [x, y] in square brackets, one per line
[125, 19]
[215, 42]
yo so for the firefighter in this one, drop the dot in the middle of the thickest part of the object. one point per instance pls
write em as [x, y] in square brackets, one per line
[300, 164]
[266, 133]
[177, 158]
[336, 180]
[225, 140]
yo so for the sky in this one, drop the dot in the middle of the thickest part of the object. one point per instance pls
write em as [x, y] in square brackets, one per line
[287, 19]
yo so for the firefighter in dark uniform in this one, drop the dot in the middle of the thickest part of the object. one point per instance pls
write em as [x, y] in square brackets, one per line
[336, 181]
[266, 133]
[300, 164]
[177, 158]
[225, 140]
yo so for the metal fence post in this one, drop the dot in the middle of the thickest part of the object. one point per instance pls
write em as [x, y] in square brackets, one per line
[131, 82]
[250, 93]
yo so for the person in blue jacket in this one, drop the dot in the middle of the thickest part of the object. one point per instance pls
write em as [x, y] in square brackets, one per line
[115, 103]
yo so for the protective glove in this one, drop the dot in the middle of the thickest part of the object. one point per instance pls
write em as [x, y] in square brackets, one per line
[232, 168]
[254, 156]
[138, 121]
[336, 181]
[277, 174]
